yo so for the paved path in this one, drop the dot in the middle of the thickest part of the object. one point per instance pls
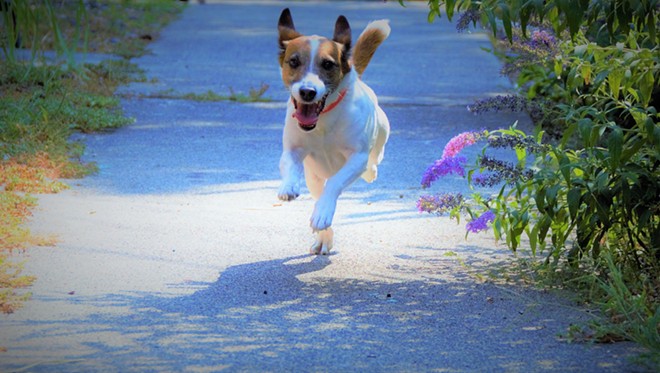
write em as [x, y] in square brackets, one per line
[177, 255]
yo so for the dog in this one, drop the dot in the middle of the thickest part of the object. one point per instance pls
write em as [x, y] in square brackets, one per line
[334, 131]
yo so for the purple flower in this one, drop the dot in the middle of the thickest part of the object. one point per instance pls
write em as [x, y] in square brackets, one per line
[512, 103]
[542, 38]
[442, 167]
[467, 17]
[517, 142]
[505, 171]
[440, 203]
[488, 179]
[481, 223]
[460, 141]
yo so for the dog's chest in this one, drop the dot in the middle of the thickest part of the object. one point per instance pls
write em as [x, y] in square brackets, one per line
[327, 155]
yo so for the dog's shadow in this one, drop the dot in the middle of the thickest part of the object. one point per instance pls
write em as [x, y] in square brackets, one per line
[272, 314]
[245, 285]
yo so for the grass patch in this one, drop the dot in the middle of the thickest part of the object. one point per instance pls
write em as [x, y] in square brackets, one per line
[121, 27]
[41, 106]
[253, 95]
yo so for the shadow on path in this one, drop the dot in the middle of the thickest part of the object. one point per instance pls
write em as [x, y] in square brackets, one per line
[278, 314]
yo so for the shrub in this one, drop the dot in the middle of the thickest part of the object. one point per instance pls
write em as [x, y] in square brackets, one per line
[587, 199]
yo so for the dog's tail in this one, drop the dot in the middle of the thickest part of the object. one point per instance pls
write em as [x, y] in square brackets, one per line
[372, 36]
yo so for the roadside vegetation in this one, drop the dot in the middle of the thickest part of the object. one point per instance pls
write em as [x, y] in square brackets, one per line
[43, 104]
[253, 95]
[582, 201]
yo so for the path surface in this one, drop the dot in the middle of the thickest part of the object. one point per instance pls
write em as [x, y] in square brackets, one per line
[177, 255]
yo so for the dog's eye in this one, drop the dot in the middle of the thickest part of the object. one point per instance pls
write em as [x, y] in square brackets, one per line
[294, 62]
[328, 65]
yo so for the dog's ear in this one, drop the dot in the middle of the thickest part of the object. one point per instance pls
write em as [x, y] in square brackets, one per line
[342, 31]
[287, 31]
[343, 36]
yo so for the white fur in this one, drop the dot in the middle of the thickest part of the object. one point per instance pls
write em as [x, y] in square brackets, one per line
[311, 78]
[382, 24]
[347, 143]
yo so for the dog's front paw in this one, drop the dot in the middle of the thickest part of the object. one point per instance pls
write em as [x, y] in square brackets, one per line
[324, 211]
[323, 243]
[288, 192]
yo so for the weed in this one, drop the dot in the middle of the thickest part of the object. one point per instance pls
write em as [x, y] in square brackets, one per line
[253, 95]
[11, 280]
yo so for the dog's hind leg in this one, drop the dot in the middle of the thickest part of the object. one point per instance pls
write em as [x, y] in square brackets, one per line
[378, 150]
[315, 183]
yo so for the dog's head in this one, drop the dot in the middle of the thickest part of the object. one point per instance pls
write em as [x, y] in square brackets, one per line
[312, 66]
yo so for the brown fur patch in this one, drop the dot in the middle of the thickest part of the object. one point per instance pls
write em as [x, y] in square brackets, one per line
[330, 51]
[298, 50]
[287, 31]
[365, 48]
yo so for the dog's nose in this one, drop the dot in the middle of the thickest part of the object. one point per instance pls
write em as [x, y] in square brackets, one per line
[307, 94]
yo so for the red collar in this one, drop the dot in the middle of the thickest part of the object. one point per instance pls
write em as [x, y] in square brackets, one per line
[334, 104]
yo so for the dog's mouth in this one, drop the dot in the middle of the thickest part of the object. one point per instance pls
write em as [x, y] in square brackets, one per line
[307, 114]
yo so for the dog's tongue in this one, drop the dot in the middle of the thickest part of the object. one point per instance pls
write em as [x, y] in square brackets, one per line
[307, 114]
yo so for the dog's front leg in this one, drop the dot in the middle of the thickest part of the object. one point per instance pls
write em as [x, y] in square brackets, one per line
[291, 169]
[324, 209]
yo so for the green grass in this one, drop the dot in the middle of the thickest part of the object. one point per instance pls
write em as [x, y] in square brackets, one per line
[253, 95]
[120, 27]
[41, 106]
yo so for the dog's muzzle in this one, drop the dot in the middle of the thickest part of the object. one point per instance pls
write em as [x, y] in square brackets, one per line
[307, 112]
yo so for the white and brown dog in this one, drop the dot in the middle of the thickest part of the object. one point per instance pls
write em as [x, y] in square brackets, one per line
[334, 131]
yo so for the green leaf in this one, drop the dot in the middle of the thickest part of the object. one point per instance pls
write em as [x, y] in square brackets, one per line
[492, 21]
[650, 24]
[559, 65]
[574, 16]
[506, 21]
[539, 197]
[585, 126]
[579, 50]
[615, 146]
[521, 155]
[565, 168]
[431, 16]
[449, 8]
[614, 79]
[551, 196]
[585, 71]
[646, 87]
[544, 227]
[573, 198]
[525, 13]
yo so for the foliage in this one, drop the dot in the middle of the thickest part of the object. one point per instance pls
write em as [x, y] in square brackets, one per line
[122, 28]
[605, 19]
[587, 198]
[634, 316]
[42, 105]
[253, 95]
[10, 281]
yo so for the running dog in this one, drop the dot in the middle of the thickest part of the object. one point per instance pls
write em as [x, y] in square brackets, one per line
[334, 130]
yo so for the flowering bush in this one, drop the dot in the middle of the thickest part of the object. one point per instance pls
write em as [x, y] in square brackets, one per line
[589, 199]
[596, 186]
[486, 172]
